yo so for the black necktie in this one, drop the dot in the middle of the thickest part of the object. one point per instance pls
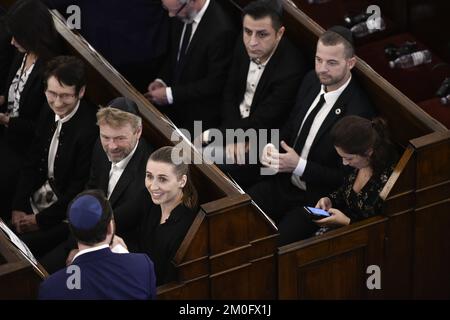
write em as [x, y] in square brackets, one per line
[299, 142]
[183, 49]
[186, 39]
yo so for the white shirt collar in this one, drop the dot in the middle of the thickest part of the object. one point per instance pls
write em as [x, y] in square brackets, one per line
[331, 97]
[69, 116]
[201, 13]
[96, 248]
[122, 164]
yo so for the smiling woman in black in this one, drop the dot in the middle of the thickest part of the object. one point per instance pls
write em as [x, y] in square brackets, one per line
[168, 210]
[162, 240]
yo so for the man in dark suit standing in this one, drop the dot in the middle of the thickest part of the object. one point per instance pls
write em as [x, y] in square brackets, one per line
[118, 169]
[191, 82]
[265, 73]
[96, 272]
[58, 165]
[310, 166]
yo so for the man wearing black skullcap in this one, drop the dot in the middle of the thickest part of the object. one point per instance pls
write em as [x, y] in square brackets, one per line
[118, 168]
[307, 164]
[96, 272]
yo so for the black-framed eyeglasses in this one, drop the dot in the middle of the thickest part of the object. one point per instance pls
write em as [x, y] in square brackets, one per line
[65, 97]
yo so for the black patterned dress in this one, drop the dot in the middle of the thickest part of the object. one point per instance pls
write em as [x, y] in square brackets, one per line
[359, 205]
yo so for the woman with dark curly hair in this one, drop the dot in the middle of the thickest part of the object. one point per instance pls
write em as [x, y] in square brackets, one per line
[363, 145]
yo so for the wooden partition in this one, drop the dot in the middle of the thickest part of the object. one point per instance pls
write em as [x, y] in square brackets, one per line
[18, 279]
[411, 245]
[231, 245]
[230, 250]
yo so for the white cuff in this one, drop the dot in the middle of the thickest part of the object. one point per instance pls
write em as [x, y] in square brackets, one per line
[300, 169]
[206, 136]
[161, 81]
[169, 95]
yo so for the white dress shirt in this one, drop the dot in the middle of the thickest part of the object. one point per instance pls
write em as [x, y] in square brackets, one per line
[81, 252]
[255, 71]
[118, 248]
[330, 100]
[117, 169]
[53, 149]
[45, 196]
[254, 74]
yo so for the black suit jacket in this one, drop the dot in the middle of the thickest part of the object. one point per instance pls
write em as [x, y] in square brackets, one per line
[129, 186]
[124, 32]
[198, 91]
[275, 94]
[72, 162]
[6, 53]
[20, 131]
[324, 170]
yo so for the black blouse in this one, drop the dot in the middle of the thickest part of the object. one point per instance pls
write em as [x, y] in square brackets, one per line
[161, 241]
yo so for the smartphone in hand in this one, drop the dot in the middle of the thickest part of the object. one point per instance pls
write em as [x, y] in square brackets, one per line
[316, 213]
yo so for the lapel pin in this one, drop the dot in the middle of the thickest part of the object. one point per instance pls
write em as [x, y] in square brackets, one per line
[338, 111]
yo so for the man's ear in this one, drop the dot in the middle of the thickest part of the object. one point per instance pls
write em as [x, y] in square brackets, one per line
[139, 132]
[280, 33]
[82, 91]
[351, 62]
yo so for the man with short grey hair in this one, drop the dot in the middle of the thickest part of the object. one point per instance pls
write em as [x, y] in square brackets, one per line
[118, 169]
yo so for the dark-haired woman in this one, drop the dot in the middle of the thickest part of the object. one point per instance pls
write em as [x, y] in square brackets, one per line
[34, 36]
[363, 145]
[168, 210]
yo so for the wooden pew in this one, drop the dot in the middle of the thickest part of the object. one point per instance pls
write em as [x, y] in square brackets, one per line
[335, 265]
[211, 262]
[230, 250]
[237, 262]
[415, 248]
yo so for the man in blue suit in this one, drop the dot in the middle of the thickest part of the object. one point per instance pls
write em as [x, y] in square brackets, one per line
[97, 272]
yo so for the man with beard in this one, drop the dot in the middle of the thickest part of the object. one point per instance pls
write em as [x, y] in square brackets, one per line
[118, 169]
[309, 165]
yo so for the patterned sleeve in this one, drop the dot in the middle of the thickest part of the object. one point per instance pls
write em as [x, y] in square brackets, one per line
[337, 197]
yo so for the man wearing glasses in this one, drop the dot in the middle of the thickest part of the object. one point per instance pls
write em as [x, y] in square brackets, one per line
[58, 164]
[191, 81]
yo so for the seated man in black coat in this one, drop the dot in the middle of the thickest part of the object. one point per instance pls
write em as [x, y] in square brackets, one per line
[58, 164]
[191, 81]
[118, 168]
[265, 73]
[310, 165]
